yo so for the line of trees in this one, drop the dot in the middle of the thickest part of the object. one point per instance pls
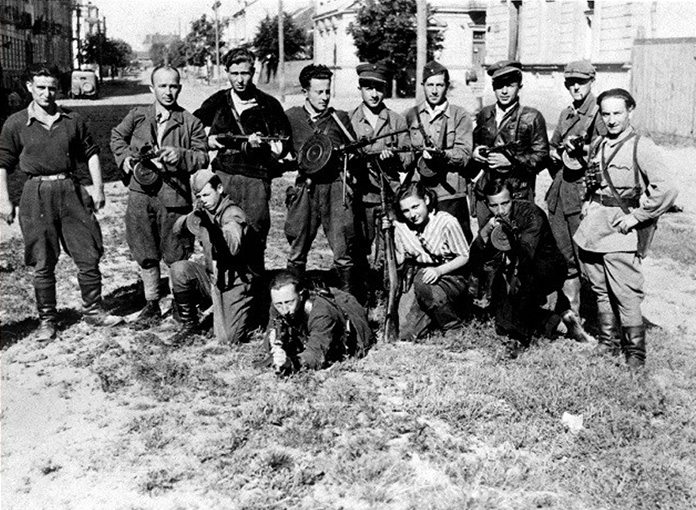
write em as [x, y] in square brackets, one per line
[112, 55]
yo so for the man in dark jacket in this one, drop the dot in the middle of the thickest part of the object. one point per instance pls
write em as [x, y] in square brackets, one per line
[175, 140]
[517, 264]
[246, 164]
[578, 126]
[510, 140]
[323, 196]
[312, 329]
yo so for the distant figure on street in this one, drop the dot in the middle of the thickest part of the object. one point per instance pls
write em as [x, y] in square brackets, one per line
[626, 194]
[45, 141]
[157, 147]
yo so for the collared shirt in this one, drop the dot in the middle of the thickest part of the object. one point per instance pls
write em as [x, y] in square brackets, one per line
[242, 104]
[313, 114]
[441, 240]
[41, 151]
[35, 112]
[162, 115]
[597, 232]
[501, 112]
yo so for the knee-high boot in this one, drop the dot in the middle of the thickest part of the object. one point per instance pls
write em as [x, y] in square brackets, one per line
[187, 309]
[634, 346]
[48, 316]
[608, 336]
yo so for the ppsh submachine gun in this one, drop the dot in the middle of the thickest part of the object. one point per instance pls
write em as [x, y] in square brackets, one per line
[145, 172]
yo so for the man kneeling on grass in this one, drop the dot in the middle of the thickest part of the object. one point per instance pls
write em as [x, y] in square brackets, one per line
[313, 329]
[220, 226]
[515, 265]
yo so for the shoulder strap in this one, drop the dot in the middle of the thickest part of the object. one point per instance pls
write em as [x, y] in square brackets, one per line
[341, 126]
[607, 177]
[591, 125]
[426, 137]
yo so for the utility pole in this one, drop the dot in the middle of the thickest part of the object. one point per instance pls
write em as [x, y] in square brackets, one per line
[281, 51]
[421, 44]
[216, 6]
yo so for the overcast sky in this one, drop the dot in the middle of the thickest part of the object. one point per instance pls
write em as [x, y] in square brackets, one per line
[132, 20]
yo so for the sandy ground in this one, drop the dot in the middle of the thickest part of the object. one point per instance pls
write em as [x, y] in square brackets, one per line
[56, 420]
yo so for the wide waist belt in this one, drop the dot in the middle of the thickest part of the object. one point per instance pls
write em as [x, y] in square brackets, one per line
[608, 201]
[53, 177]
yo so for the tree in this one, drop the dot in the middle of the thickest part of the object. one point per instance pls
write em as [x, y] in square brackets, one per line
[199, 44]
[112, 53]
[158, 53]
[266, 42]
[385, 31]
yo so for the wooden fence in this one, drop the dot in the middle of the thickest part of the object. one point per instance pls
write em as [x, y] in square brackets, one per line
[663, 82]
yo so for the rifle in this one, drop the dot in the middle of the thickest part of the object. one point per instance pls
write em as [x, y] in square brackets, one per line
[228, 138]
[391, 316]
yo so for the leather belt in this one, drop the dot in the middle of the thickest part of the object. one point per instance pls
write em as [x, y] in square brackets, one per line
[608, 201]
[53, 177]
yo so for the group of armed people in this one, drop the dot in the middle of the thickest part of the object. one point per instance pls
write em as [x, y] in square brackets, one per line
[408, 184]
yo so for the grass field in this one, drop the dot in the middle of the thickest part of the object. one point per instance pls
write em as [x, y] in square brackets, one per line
[111, 419]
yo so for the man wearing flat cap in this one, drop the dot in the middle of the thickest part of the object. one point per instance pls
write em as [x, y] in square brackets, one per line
[221, 227]
[372, 118]
[578, 126]
[510, 140]
[444, 132]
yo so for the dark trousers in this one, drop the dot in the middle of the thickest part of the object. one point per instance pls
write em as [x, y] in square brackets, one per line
[564, 227]
[149, 231]
[322, 204]
[54, 214]
[253, 196]
[424, 304]
[231, 307]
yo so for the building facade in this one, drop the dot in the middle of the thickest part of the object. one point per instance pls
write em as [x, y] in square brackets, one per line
[34, 31]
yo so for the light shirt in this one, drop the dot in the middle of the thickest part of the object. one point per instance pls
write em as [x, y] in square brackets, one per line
[162, 115]
[441, 240]
[35, 112]
[242, 104]
[371, 117]
[313, 114]
[500, 112]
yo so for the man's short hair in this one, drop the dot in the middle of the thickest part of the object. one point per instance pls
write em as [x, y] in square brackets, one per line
[621, 94]
[41, 69]
[239, 56]
[497, 186]
[314, 72]
[287, 277]
[165, 68]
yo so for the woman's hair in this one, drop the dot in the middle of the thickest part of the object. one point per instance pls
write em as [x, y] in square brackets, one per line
[621, 94]
[414, 189]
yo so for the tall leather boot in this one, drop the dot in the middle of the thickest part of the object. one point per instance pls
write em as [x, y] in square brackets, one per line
[92, 310]
[634, 346]
[350, 282]
[187, 310]
[48, 316]
[608, 338]
[571, 290]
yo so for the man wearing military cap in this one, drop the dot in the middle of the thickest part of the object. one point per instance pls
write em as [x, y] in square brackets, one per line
[444, 132]
[221, 227]
[510, 140]
[578, 126]
[370, 119]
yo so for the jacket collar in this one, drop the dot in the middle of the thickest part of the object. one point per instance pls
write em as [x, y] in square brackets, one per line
[36, 113]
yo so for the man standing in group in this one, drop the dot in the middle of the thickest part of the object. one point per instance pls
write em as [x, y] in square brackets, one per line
[45, 141]
[578, 126]
[444, 132]
[372, 118]
[323, 195]
[221, 227]
[518, 265]
[246, 166]
[510, 140]
[627, 193]
[175, 140]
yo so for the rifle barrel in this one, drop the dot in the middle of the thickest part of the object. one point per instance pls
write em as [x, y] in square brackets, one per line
[369, 141]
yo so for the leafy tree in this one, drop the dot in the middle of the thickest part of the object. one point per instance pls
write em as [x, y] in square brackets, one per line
[199, 44]
[266, 40]
[112, 53]
[177, 53]
[385, 31]
[158, 53]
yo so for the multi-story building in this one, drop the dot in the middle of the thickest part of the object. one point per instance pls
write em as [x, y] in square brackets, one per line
[34, 31]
